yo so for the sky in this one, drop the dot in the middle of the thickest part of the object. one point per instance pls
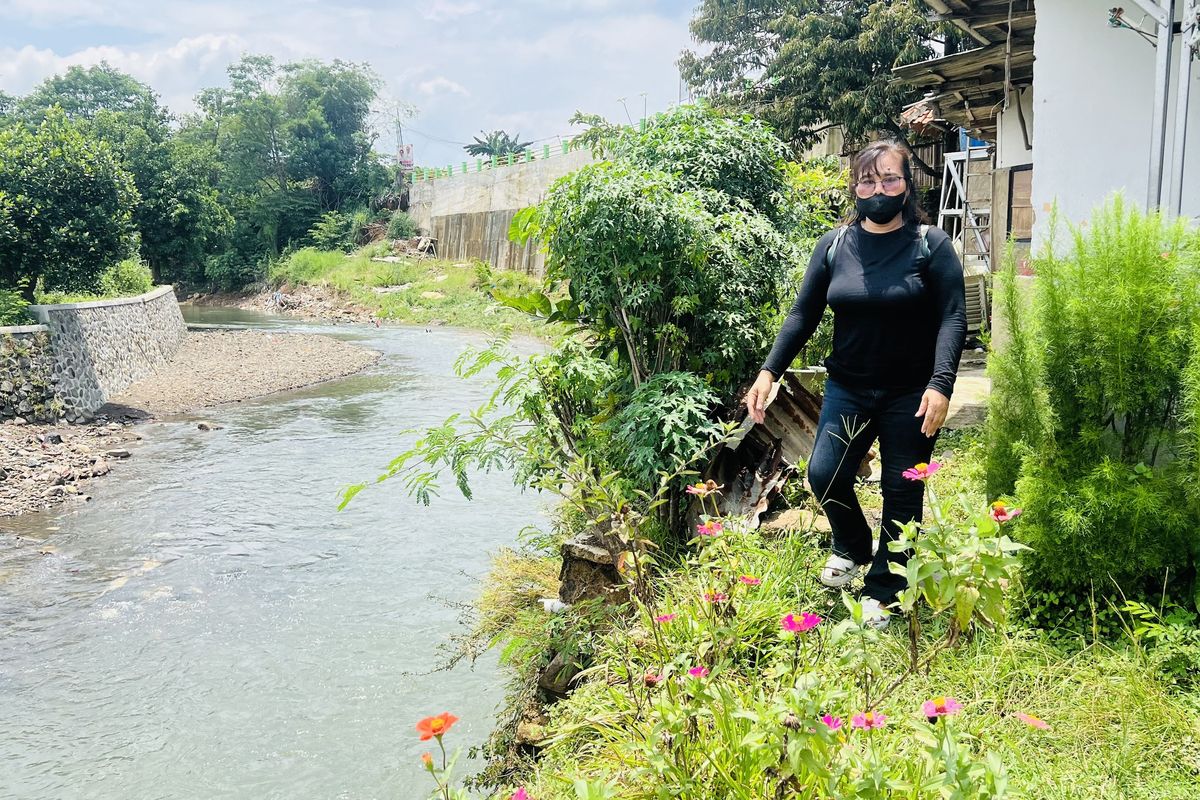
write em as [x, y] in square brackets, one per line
[524, 66]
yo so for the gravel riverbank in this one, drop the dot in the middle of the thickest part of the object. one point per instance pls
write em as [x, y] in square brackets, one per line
[225, 366]
[44, 465]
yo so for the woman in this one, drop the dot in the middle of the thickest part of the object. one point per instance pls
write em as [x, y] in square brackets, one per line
[899, 321]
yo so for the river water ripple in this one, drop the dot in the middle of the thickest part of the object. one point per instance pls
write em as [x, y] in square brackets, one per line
[209, 626]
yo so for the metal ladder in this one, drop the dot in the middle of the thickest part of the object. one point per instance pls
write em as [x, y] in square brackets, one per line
[969, 227]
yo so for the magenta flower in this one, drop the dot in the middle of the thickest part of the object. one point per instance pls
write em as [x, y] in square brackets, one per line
[940, 707]
[805, 624]
[698, 672]
[833, 723]
[868, 721]
[662, 619]
[1032, 721]
[709, 527]
[750, 580]
[922, 471]
[715, 597]
[1002, 513]
[520, 794]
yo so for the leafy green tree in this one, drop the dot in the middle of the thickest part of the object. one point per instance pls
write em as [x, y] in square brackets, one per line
[290, 142]
[808, 65]
[83, 93]
[671, 258]
[497, 144]
[68, 207]
[179, 219]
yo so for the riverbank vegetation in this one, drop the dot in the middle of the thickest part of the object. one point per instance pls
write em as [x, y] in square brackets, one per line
[704, 661]
[413, 290]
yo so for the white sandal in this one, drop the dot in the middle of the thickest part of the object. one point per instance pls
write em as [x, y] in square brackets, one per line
[838, 572]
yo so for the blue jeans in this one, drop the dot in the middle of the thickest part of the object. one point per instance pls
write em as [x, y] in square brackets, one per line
[851, 420]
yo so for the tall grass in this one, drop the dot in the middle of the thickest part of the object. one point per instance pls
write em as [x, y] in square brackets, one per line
[419, 291]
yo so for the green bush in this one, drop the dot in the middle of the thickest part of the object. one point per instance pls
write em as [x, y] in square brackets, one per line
[233, 269]
[333, 231]
[401, 226]
[12, 308]
[126, 278]
[304, 266]
[1091, 420]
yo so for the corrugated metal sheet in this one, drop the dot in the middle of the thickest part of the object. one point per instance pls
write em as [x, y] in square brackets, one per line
[759, 459]
[484, 235]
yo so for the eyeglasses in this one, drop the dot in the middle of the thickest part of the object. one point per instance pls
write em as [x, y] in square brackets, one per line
[866, 187]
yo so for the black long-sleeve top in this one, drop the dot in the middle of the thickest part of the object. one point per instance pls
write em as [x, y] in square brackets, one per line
[899, 320]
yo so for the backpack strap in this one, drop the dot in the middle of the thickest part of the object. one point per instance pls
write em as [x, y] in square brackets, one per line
[833, 246]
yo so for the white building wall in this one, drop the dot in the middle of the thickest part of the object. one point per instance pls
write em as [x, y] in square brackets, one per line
[1092, 107]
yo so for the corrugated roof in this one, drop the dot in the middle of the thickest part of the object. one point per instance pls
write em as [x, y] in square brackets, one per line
[968, 88]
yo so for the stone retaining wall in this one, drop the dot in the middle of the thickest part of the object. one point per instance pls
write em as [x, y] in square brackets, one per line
[103, 346]
[27, 375]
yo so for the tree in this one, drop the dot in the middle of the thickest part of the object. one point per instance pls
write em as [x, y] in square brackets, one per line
[496, 144]
[69, 209]
[83, 93]
[290, 142]
[808, 65]
[179, 219]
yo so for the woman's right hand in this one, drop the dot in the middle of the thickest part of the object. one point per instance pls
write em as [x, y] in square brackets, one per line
[756, 398]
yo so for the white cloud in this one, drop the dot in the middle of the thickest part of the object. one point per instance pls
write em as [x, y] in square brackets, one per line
[467, 64]
[443, 10]
[172, 71]
[442, 85]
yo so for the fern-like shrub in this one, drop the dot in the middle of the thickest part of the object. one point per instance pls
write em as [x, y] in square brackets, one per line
[1096, 403]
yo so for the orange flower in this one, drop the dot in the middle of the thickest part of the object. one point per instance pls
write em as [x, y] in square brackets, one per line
[435, 726]
[427, 760]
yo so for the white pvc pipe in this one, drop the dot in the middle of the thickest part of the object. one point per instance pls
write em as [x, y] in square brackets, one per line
[1162, 82]
[1183, 86]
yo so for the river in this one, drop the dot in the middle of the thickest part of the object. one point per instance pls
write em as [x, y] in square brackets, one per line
[210, 626]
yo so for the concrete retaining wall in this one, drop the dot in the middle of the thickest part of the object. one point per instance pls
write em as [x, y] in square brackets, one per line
[101, 347]
[469, 214]
[27, 374]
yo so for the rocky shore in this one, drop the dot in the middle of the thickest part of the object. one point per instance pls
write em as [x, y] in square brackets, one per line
[308, 302]
[43, 465]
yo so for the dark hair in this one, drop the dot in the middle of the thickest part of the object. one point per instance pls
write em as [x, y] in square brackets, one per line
[866, 162]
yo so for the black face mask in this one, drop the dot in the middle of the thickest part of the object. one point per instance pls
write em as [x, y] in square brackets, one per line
[880, 208]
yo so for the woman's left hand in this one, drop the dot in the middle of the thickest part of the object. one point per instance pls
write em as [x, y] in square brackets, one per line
[934, 406]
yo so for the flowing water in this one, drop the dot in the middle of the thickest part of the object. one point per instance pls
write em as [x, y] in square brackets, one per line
[209, 626]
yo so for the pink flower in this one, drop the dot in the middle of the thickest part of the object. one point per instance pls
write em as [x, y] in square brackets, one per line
[940, 707]
[805, 624]
[704, 489]
[710, 527]
[662, 619]
[698, 672]
[1032, 721]
[652, 679]
[868, 721]
[715, 597]
[520, 794]
[922, 471]
[750, 580]
[1002, 513]
[833, 723]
